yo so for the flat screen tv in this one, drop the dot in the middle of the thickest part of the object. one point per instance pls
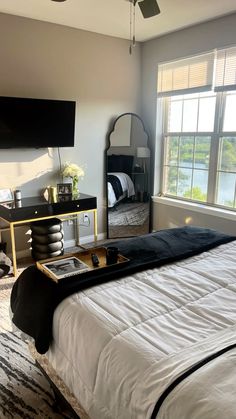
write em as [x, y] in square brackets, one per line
[36, 123]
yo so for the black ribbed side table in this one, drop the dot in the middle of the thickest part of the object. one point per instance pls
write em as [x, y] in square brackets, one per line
[47, 238]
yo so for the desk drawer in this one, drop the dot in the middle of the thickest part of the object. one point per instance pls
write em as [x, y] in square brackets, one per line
[28, 213]
[74, 206]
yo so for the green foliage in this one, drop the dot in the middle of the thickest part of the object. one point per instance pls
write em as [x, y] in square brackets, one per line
[228, 154]
[184, 149]
[196, 194]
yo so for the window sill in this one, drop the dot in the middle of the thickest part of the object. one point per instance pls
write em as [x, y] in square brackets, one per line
[192, 206]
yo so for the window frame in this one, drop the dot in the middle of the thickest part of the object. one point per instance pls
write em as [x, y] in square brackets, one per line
[215, 138]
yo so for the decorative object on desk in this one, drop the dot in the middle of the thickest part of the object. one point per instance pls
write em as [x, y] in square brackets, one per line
[64, 189]
[17, 195]
[75, 172]
[6, 195]
[50, 194]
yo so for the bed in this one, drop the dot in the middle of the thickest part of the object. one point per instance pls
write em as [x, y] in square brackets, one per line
[156, 339]
[119, 186]
[119, 183]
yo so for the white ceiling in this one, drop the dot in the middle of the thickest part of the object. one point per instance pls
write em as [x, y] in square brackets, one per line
[111, 17]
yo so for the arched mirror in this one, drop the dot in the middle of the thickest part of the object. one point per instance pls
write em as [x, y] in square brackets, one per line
[128, 178]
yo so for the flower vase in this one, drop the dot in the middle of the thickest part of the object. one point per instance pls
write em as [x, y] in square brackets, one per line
[75, 190]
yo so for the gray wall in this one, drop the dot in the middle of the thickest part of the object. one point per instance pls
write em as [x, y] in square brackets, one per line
[167, 216]
[44, 60]
[194, 40]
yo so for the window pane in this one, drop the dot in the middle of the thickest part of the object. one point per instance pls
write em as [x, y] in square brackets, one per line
[227, 160]
[200, 182]
[226, 189]
[184, 181]
[206, 114]
[172, 149]
[229, 117]
[186, 146]
[175, 116]
[202, 152]
[171, 180]
[190, 115]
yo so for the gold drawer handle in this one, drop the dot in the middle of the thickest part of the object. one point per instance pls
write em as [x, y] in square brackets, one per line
[36, 212]
[77, 205]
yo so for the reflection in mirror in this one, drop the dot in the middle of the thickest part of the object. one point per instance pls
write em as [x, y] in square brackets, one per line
[127, 178]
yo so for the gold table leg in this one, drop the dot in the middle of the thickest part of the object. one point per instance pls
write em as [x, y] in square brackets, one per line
[13, 246]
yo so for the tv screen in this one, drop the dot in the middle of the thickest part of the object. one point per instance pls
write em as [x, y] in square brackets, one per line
[36, 123]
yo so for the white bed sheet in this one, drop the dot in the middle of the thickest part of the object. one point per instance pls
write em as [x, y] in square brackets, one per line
[118, 345]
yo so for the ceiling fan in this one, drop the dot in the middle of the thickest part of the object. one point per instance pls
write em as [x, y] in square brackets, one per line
[149, 8]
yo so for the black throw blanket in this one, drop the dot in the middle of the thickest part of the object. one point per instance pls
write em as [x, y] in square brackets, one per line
[34, 297]
[116, 185]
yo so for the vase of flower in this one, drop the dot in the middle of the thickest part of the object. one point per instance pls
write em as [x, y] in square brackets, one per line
[75, 183]
[73, 172]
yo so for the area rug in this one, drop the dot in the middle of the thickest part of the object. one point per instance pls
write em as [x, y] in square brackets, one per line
[129, 214]
[24, 391]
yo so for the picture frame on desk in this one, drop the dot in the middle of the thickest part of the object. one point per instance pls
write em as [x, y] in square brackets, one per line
[6, 195]
[64, 189]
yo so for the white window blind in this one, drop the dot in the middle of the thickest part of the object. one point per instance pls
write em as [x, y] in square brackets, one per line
[189, 75]
[225, 74]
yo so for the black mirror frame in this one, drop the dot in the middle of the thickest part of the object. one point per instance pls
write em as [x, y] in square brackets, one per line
[108, 142]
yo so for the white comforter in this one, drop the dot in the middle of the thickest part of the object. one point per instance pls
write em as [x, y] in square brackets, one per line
[127, 188]
[119, 345]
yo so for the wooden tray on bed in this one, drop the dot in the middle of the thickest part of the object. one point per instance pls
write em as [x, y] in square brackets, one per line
[76, 263]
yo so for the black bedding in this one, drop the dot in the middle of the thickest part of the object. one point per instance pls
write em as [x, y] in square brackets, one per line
[34, 297]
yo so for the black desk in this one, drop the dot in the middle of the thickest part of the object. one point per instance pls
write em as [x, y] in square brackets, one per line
[38, 208]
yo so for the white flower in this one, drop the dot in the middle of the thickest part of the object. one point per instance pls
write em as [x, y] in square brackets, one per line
[71, 170]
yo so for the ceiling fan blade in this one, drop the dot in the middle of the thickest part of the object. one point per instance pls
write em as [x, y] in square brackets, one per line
[149, 8]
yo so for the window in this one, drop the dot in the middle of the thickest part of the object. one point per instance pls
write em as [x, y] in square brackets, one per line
[199, 130]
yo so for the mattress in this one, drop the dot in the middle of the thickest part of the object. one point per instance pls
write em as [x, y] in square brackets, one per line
[118, 346]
